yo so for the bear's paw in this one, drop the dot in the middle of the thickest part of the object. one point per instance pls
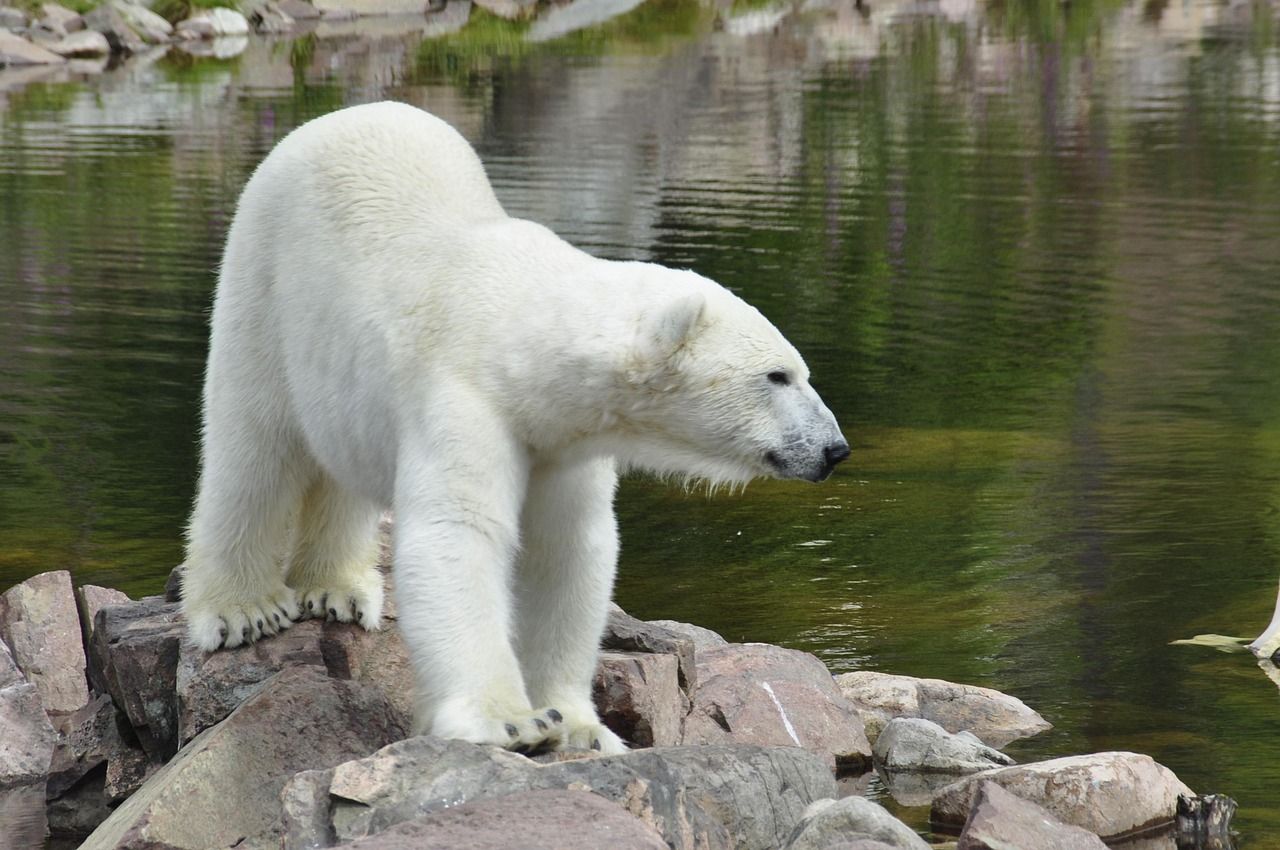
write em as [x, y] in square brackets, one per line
[225, 624]
[356, 601]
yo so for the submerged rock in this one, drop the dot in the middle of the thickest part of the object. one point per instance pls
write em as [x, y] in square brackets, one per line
[224, 788]
[1000, 821]
[832, 823]
[996, 718]
[762, 694]
[916, 744]
[1109, 794]
[38, 621]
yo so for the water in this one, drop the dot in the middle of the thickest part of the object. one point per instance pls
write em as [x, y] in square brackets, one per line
[1030, 252]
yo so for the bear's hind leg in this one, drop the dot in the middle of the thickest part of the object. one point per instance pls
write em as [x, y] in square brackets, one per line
[563, 585]
[333, 560]
[233, 589]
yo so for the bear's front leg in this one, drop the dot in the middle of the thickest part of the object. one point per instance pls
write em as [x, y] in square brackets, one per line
[456, 533]
[569, 554]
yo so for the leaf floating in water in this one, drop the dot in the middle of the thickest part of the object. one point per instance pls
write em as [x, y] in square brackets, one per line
[1222, 643]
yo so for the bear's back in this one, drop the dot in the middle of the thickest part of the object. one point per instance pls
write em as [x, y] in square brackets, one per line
[381, 170]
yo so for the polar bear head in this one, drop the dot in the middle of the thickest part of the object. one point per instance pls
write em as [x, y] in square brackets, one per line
[718, 393]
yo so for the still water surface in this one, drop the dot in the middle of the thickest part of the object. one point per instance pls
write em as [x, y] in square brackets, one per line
[1031, 252]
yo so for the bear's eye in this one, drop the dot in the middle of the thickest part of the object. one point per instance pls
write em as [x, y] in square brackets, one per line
[780, 378]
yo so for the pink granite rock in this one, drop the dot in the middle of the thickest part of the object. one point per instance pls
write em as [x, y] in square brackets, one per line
[38, 621]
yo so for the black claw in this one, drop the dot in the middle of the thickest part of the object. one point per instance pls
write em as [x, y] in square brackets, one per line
[522, 750]
[259, 624]
[359, 616]
[595, 745]
[333, 612]
[555, 716]
[311, 604]
[276, 614]
[244, 633]
[512, 731]
[222, 633]
[541, 724]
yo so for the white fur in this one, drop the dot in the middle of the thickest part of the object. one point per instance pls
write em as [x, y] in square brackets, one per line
[384, 335]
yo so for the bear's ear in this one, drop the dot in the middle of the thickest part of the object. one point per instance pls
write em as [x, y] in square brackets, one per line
[675, 325]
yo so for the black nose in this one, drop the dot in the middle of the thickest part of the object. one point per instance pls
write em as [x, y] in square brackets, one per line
[835, 453]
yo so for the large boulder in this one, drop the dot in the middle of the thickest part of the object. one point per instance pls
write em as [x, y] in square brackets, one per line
[223, 789]
[151, 27]
[994, 717]
[38, 621]
[214, 23]
[15, 50]
[916, 744]
[638, 696]
[134, 652]
[761, 694]
[26, 736]
[543, 820]
[999, 821]
[831, 823]
[704, 797]
[1109, 794]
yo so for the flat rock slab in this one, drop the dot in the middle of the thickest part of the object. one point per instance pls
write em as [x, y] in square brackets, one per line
[638, 696]
[694, 797]
[994, 717]
[1109, 794]
[1001, 821]
[532, 820]
[832, 823]
[38, 621]
[916, 744]
[761, 694]
[224, 787]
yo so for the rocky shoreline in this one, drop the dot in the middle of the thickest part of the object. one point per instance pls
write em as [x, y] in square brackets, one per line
[114, 731]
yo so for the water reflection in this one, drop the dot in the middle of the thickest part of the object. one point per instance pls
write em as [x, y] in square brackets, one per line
[1029, 250]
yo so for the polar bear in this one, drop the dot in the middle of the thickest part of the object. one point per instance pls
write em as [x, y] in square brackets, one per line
[385, 336]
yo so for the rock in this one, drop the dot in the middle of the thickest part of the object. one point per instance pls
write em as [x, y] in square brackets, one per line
[115, 28]
[134, 652]
[268, 18]
[214, 23]
[994, 717]
[84, 43]
[1206, 821]
[543, 820]
[91, 599]
[705, 797]
[702, 638]
[67, 20]
[173, 584]
[151, 27]
[22, 814]
[511, 10]
[913, 743]
[830, 823]
[762, 694]
[9, 672]
[128, 767]
[1001, 821]
[38, 618]
[638, 696]
[1108, 794]
[26, 736]
[912, 788]
[379, 659]
[624, 633]
[364, 8]
[224, 787]
[81, 809]
[298, 10]
[84, 739]
[12, 19]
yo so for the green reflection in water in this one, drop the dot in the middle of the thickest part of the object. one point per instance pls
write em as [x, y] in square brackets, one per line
[1030, 256]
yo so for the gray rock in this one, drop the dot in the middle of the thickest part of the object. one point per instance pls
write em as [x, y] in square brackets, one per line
[638, 696]
[38, 618]
[762, 694]
[268, 18]
[9, 672]
[298, 10]
[543, 820]
[22, 814]
[213, 23]
[1108, 794]
[151, 27]
[624, 633]
[115, 28]
[702, 638]
[994, 717]
[12, 19]
[26, 736]
[912, 788]
[224, 787]
[91, 599]
[913, 743]
[84, 739]
[173, 584]
[128, 767]
[829, 823]
[706, 797]
[1001, 821]
[80, 810]
[134, 652]
[83, 43]
[66, 19]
